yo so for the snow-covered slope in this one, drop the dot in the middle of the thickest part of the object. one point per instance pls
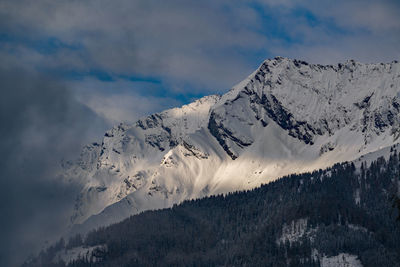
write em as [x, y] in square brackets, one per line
[129, 155]
[288, 116]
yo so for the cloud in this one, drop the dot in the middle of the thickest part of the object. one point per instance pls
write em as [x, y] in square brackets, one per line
[206, 46]
[112, 61]
[42, 123]
[196, 42]
[330, 32]
[114, 101]
[375, 16]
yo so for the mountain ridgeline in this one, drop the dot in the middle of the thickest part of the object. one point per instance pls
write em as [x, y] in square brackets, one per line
[286, 117]
[341, 216]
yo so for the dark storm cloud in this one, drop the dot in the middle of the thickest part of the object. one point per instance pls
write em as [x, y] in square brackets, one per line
[41, 123]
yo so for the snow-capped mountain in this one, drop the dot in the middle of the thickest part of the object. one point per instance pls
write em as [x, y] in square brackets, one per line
[288, 116]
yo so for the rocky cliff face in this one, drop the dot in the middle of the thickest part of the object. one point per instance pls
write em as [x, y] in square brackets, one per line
[310, 101]
[288, 116]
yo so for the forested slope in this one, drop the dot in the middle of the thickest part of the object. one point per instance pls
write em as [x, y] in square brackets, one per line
[299, 220]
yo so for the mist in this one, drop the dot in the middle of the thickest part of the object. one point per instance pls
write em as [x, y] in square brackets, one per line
[41, 124]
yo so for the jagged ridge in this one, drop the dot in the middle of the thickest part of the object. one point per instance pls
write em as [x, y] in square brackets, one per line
[288, 116]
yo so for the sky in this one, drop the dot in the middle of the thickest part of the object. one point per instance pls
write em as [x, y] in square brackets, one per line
[71, 69]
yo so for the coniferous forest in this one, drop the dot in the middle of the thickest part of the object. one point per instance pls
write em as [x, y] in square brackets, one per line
[293, 221]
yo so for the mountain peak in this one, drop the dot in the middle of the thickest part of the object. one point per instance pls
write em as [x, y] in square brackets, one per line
[287, 116]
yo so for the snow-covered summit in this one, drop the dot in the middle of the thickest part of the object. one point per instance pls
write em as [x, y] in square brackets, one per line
[287, 116]
[311, 100]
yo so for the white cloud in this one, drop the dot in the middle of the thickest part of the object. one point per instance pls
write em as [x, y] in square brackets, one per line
[118, 101]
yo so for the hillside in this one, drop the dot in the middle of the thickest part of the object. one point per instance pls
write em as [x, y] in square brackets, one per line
[286, 117]
[340, 216]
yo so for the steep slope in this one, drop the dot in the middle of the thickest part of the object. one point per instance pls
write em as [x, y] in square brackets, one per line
[340, 216]
[288, 116]
[129, 154]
